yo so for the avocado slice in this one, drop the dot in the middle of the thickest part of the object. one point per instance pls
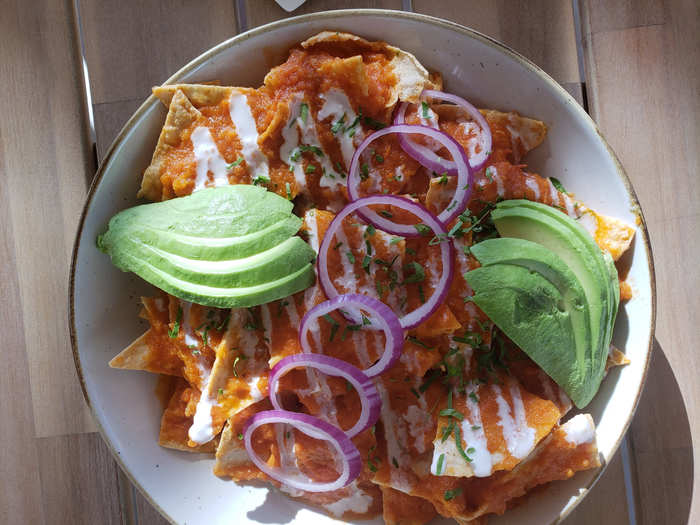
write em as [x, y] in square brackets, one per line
[219, 297]
[539, 260]
[229, 246]
[269, 265]
[531, 311]
[568, 239]
[227, 222]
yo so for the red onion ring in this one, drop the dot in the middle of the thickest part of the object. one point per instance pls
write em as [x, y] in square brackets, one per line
[316, 428]
[382, 317]
[421, 313]
[369, 397]
[460, 160]
[429, 158]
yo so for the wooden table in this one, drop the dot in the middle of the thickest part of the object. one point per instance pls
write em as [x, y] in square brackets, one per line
[72, 72]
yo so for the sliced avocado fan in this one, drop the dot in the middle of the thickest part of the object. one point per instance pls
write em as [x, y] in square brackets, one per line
[556, 296]
[230, 246]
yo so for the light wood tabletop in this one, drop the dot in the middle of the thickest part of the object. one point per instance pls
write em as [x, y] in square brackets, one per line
[72, 72]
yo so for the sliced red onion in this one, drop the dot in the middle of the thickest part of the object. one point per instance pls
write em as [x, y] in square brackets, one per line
[432, 160]
[421, 313]
[381, 316]
[314, 427]
[369, 397]
[464, 175]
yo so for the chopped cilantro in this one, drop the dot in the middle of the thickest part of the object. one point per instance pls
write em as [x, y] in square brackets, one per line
[234, 163]
[451, 494]
[351, 257]
[396, 240]
[288, 187]
[451, 412]
[310, 168]
[334, 325]
[260, 179]
[426, 109]
[417, 275]
[304, 112]
[338, 125]
[441, 461]
[558, 185]
[173, 333]
[423, 229]
[364, 171]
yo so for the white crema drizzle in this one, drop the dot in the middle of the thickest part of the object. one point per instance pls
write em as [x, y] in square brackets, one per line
[207, 158]
[247, 131]
[519, 436]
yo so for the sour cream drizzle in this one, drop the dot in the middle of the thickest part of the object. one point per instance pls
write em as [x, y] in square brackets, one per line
[519, 436]
[201, 430]
[337, 106]
[358, 502]
[207, 158]
[301, 130]
[247, 131]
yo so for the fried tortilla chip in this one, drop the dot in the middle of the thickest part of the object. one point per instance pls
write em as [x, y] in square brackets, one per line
[411, 77]
[175, 422]
[402, 509]
[181, 115]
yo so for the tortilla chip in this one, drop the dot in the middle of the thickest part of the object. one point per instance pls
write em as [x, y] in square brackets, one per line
[175, 423]
[181, 115]
[403, 509]
[411, 77]
[198, 94]
[139, 355]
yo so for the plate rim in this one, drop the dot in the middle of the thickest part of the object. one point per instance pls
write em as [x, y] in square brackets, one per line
[151, 100]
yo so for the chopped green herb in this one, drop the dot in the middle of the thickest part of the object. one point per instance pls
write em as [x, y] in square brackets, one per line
[304, 112]
[310, 168]
[295, 156]
[378, 158]
[458, 444]
[364, 171]
[386, 213]
[410, 251]
[366, 260]
[417, 273]
[334, 325]
[288, 187]
[476, 427]
[441, 461]
[240, 436]
[473, 397]
[451, 494]
[173, 333]
[351, 257]
[447, 431]
[418, 342]
[558, 185]
[313, 149]
[338, 125]
[260, 180]
[396, 240]
[426, 109]
[423, 229]
[489, 173]
[337, 245]
[451, 412]
[421, 294]
[221, 391]
[415, 392]
[365, 320]
[235, 362]
[234, 163]
[370, 231]
[471, 450]
[374, 124]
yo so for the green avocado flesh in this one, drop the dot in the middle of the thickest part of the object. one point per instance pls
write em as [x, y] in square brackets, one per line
[230, 246]
[566, 283]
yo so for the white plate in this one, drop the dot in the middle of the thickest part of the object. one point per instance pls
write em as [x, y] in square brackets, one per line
[104, 301]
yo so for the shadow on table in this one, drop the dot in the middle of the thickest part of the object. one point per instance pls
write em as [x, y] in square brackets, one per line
[662, 448]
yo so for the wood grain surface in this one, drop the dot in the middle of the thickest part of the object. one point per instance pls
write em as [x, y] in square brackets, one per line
[637, 66]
